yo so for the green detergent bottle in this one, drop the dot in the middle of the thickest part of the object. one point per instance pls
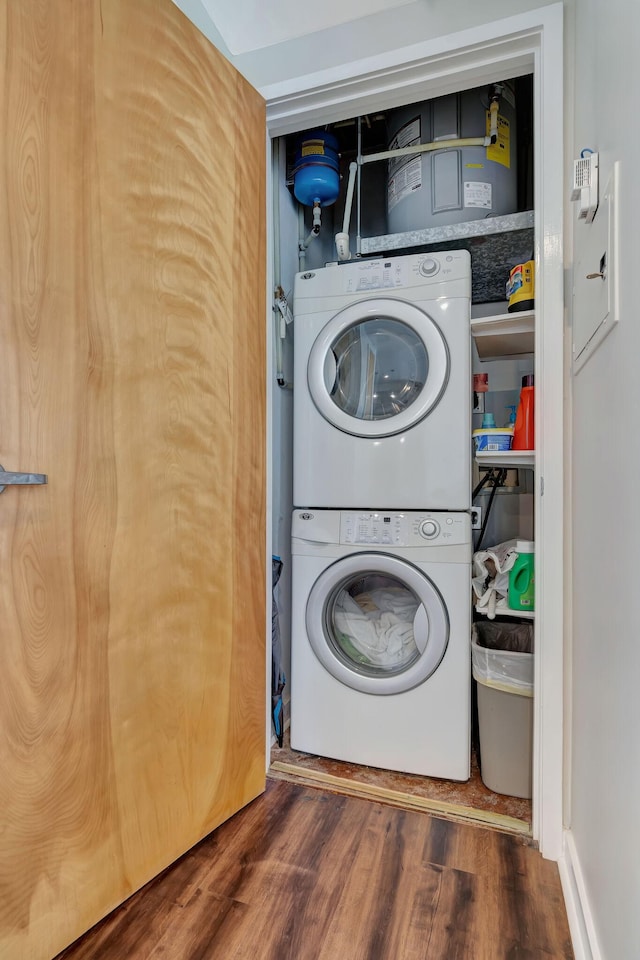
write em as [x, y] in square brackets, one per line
[522, 577]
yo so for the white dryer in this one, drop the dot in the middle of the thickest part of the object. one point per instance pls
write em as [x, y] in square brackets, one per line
[380, 655]
[382, 384]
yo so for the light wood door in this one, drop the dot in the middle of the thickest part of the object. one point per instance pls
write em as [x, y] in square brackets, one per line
[132, 372]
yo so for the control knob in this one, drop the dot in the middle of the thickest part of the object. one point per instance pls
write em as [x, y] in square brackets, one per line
[429, 267]
[429, 529]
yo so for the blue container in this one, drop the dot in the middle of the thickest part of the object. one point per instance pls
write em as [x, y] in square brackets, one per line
[316, 171]
[493, 439]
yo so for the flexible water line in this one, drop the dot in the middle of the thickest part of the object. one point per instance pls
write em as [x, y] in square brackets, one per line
[493, 114]
[426, 147]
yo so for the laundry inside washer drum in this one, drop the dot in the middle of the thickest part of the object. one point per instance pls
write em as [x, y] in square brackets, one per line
[375, 627]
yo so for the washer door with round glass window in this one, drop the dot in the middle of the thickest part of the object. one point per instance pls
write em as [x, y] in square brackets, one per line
[378, 367]
[377, 623]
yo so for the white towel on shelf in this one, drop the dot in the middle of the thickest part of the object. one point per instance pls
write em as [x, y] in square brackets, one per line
[491, 582]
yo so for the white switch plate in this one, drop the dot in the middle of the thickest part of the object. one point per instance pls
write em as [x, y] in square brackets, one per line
[595, 301]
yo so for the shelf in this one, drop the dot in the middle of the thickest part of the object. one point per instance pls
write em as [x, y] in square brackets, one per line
[488, 226]
[505, 336]
[507, 458]
[508, 612]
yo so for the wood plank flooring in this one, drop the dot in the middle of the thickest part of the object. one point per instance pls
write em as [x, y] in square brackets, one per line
[303, 874]
[471, 800]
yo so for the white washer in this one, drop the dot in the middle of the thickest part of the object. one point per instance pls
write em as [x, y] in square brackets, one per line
[380, 655]
[382, 384]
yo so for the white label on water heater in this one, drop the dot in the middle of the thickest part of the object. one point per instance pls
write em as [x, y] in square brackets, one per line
[477, 194]
[405, 174]
[404, 182]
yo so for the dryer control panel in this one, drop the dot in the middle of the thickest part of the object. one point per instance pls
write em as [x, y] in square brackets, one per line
[408, 529]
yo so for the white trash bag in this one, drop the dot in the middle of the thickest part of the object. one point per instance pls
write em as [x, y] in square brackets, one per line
[502, 656]
[490, 577]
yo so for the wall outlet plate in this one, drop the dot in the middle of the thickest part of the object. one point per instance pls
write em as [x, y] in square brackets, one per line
[476, 518]
[478, 402]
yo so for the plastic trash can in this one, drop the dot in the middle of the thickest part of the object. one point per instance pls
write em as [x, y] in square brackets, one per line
[502, 659]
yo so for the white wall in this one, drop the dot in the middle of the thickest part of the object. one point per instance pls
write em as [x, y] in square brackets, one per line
[605, 771]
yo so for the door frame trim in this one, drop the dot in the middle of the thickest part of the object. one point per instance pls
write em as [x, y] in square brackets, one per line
[530, 42]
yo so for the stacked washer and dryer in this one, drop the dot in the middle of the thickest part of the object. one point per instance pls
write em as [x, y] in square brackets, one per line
[381, 530]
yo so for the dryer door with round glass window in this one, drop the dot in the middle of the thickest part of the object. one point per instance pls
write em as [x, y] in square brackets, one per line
[378, 367]
[377, 623]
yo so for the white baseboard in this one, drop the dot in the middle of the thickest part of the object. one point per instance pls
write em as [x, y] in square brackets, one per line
[583, 935]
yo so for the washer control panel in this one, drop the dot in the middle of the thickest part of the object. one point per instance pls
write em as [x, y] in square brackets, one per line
[408, 529]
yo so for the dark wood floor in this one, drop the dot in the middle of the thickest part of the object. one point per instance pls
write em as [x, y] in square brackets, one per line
[302, 874]
[470, 800]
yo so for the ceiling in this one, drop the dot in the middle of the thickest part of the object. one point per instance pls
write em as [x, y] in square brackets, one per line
[248, 25]
[278, 44]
